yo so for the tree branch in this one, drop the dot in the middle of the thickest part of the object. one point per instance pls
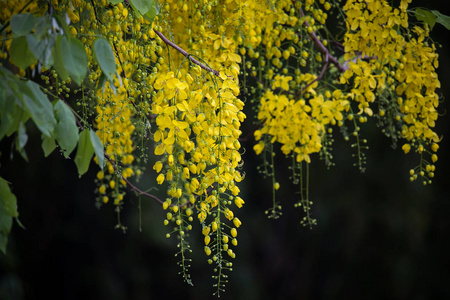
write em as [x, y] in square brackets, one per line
[179, 49]
[132, 186]
[321, 47]
[248, 135]
[325, 65]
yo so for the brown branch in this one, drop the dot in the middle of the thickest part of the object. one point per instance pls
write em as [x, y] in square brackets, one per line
[179, 49]
[259, 81]
[138, 190]
[325, 65]
[248, 135]
[324, 51]
[132, 186]
[321, 47]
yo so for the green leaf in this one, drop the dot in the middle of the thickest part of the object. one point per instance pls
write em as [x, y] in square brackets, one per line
[48, 145]
[42, 26]
[142, 6]
[22, 24]
[442, 19]
[85, 152]
[105, 57]
[9, 123]
[426, 17]
[21, 151]
[9, 118]
[20, 53]
[5, 224]
[11, 108]
[66, 130]
[58, 63]
[21, 141]
[8, 210]
[8, 201]
[42, 49]
[3, 241]
[115, 1]
[40, 109]
[12, 84]
[102, 81]
[98, 149]
[22, 137]
[151, 14]
[74, 58]
[2, 94]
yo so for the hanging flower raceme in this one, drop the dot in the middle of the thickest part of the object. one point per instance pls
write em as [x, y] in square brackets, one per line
[397, 67]
[115, 129]
[196, 135]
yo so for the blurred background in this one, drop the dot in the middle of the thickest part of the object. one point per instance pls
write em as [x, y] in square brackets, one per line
[379, 236]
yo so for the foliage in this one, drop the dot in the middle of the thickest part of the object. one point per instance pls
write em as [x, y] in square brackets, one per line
[118, 78]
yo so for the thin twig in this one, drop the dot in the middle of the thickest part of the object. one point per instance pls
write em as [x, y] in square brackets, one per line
[132, 186]
[321, 47]
[179, 49]
[325, 65]
[248, 135]
[137, 190]
[260, 81]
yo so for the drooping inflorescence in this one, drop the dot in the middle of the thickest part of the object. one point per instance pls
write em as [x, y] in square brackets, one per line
[392, 67]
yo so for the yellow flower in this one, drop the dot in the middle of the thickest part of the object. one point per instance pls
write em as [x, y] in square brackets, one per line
[162, 80]
[238, 201]
[102, 189]
[160, 178]
[258, 148]
[214, 226]
[282, 82]
[158, 166]
[406, 148]
[434, 147]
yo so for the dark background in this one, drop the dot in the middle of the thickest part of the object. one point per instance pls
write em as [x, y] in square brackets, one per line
[378, 236]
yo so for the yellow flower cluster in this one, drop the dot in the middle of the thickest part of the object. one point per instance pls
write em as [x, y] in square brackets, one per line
[386, 57]
[299, 127]
[198, 118]
[293, 109]
[115, 128]
[195, 133]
